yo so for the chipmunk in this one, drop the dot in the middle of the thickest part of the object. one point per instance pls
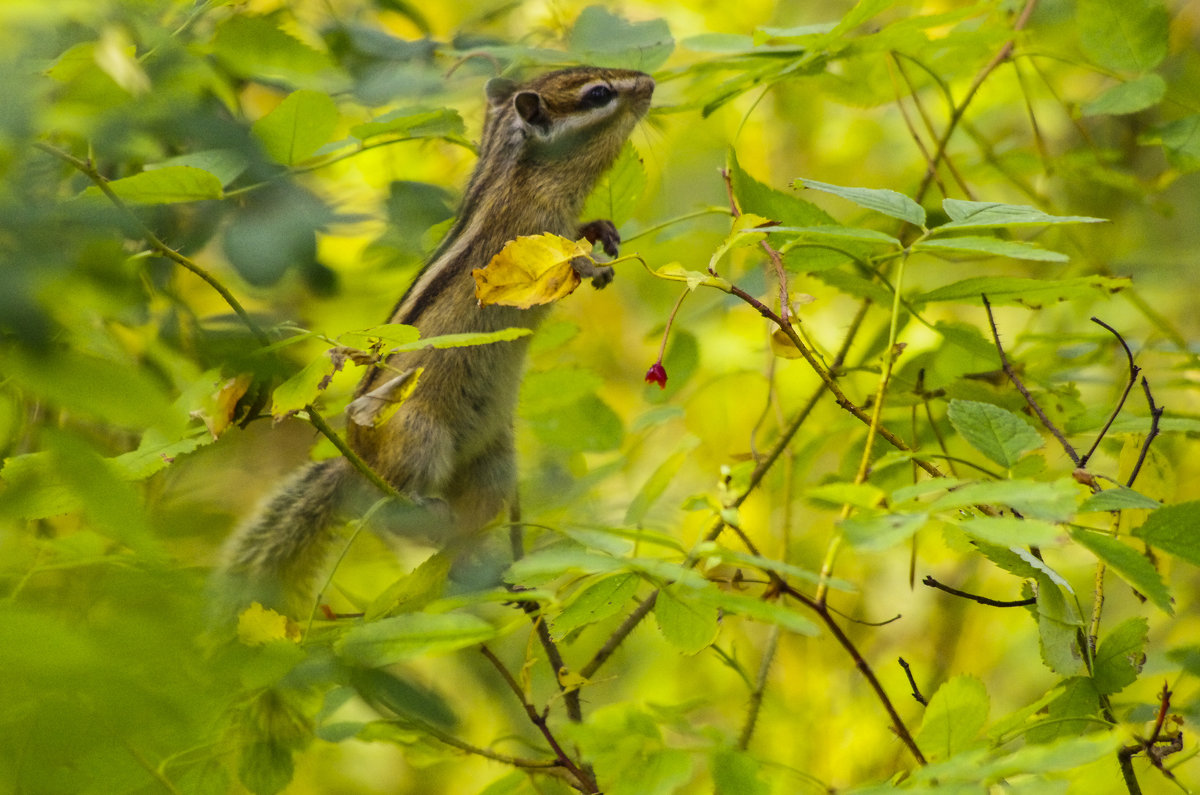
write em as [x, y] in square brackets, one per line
[449, 446]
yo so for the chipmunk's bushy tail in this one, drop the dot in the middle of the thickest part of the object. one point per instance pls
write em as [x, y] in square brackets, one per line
[274, 558]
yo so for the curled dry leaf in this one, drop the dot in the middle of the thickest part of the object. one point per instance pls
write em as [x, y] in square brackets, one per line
[530, 271]
[375, 407]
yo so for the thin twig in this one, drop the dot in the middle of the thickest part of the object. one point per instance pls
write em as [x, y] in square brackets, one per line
[1134, 370]
[957, 113]
[760, 688]
[1016, 380]
[462, 745]
[1156, 413]
[538, 719]
[916, 691]
[983, 600]
[772, 254]
[89, 170]
[863, 667]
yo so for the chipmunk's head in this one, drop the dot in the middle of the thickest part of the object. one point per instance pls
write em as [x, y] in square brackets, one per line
[582, 110]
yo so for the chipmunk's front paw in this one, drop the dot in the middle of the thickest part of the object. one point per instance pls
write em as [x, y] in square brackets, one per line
[601, 275]
[605, 233]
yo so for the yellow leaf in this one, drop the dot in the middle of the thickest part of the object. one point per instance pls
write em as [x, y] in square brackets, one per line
[531, 270]
[783, 347]
[677, 273]
[258, 626]
[219, 407]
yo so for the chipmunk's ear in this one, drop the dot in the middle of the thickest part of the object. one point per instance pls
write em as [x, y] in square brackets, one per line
[499, 89]
[532, 110]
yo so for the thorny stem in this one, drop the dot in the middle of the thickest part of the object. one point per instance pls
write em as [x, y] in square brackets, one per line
[760, 688]
[1016, 380]
[538, 719]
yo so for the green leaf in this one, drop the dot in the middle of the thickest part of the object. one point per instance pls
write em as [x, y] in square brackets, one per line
[255, 47]
[1131, 97]
[1187, 657]
[791, 211]
[1071, 714]
[997, 433]
[596, 602]
[413, 123]
[616, 194]
[990, 246]
[404, 637]
[736, 773]
[304, 387]
[388, 690]
[955, 715]
[875, 533]
[1181, 141]
[587, 425]
[463, 340]
[547, 390]
[297, 127]
[1053, 501]
[225, 164]
[975, 215]
[711, 549]
[1124, 35]
[603, 38]
[1058, 629]
[831, 235]
[1070, 753]
[413, 591]
[757, 198]
[546, 564]
[1121, 655]
[1129, 564]
[687, 622]
[858, 495]
[1119, 498]
[111, 391]
[1007, 531]
[1002, 290]
[888, 202]
[776, 613]
[1174, 529]
[657, 483]
[168, 185]
[265, 768]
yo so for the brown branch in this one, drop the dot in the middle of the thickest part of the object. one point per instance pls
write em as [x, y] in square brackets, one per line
[89, 170]
[983, 600]
[586, 781]
[1016, 380]
[1133, 374]
[1156, 413]
[957, 113]
[916, 691]
[863, 667]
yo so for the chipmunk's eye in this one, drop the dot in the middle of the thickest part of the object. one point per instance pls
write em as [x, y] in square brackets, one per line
[597, 97]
